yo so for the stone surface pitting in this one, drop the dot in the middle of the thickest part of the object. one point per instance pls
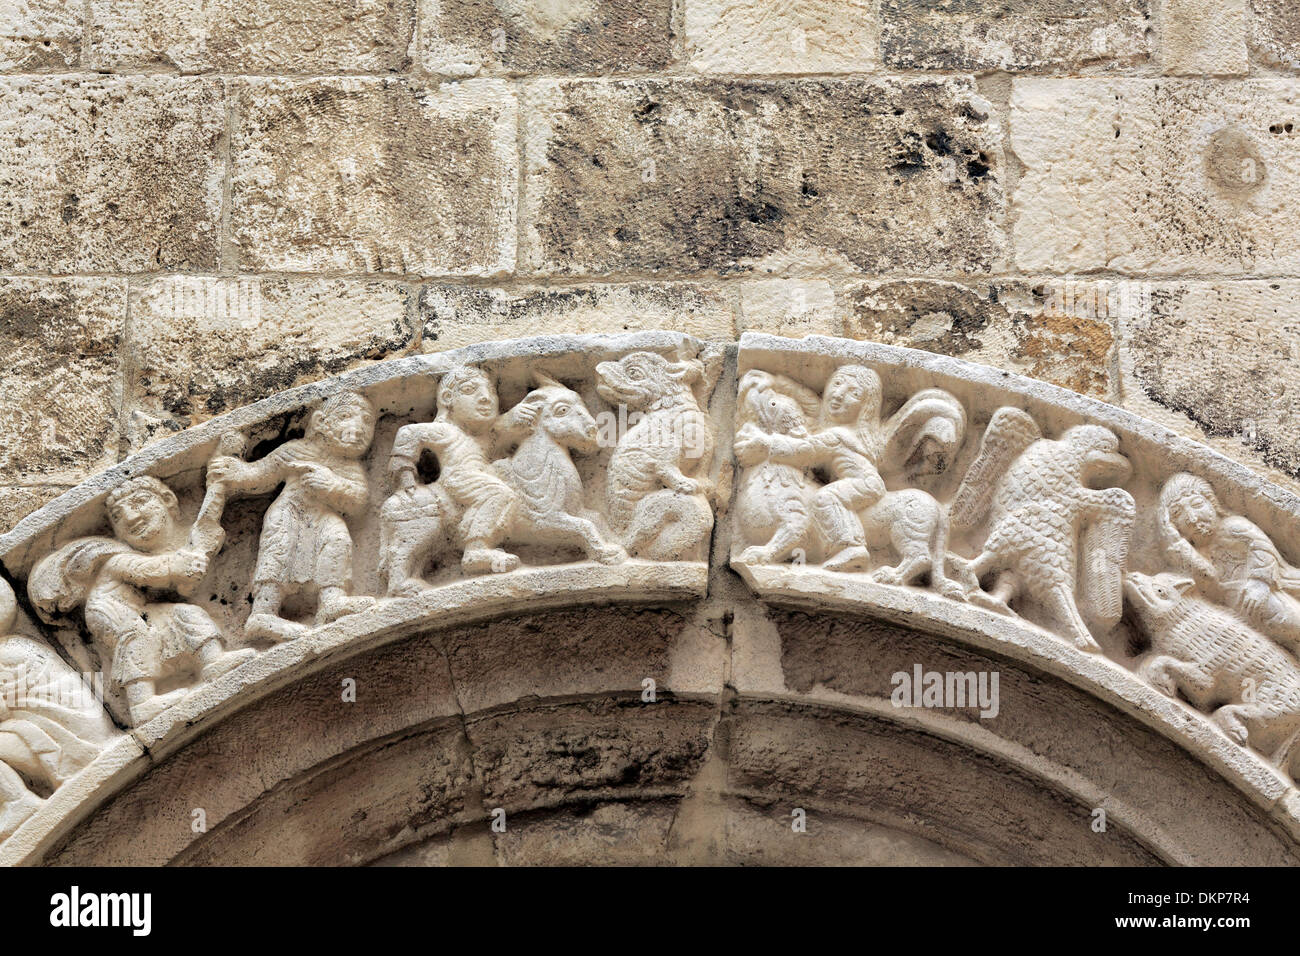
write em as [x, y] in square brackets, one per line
[374, 175]
[462, 38]
[1195, 177]
[60, 406]
[254, 36]
[933, 410]
[1038, 35]
[660, 176]
[130, 167]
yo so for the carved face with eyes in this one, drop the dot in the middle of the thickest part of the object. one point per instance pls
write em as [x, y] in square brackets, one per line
[468, 399]
[347, 423]
[850, 390]
[1194, 515]
[143, 517]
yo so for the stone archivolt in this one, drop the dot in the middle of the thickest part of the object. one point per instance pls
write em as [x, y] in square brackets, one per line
[557, 472]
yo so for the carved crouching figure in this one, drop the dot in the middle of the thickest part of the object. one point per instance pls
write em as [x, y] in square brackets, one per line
[1230, 558]
[145, 639]
[306, 545]
[773, 506]
[1033, 494]
[657, 493]
[51, 724]
[1250, 687]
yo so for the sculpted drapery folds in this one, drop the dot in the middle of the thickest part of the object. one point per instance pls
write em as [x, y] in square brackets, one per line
[855, 477]
[117, 582]
[51, 722]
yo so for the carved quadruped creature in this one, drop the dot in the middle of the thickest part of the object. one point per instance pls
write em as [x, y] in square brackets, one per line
[1034, 496]
[1249, 686]
[1230, 558]
[306, 545]
[114, 578]
[657, 492]
[469, 504]
[549, 489]
[854, 513]
[534, 497]
[51, 722]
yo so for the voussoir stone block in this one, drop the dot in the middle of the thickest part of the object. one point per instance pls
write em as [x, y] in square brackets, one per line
[453, 316]
[253, 36]
[201, 346]
[1022, 36]
[61, 339]
[1057, 331]
[40, 35]
[103, 173]
[1155, 176]
[375, 175]
[1275, 32]
[466, 37]
[780, 36]
[686, 175]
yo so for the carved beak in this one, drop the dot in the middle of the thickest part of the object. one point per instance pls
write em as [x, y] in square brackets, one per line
[1110, 467]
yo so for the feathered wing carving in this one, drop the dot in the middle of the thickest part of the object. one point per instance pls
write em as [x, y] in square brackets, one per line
[1010, 431]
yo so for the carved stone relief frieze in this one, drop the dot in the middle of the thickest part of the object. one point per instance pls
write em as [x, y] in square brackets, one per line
[568, 470]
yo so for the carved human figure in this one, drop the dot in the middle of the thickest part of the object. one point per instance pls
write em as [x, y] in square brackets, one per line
[853, 512]
[469, 495]
[51, 723]
[306, 546]
[773, 446]
[1229, 557]
[1035, 497]
[657, 490]
[1248, 685]
[115, 580]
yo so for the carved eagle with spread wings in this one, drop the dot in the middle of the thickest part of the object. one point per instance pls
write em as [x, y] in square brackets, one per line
[1036, 498]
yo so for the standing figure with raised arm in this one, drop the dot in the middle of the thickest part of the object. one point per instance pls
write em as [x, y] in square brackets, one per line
[306, 546]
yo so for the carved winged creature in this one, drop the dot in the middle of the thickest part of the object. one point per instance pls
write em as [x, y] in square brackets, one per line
[1051, 534]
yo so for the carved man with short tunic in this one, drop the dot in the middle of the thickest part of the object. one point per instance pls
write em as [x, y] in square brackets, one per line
[468, 490]
[115, 579]
[306, 545]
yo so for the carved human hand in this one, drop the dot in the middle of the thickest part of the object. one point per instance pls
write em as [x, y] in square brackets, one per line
[751, 447]
[226, 469]
[320, 480]
[188, 565]
[526, 414]
[404, 479]
[1255, 597]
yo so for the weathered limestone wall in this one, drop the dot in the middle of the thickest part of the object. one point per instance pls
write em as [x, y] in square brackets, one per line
[203, 202]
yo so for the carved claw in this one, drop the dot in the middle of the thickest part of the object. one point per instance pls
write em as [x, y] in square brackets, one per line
[411, 587]
[888, 576]
[268, 627]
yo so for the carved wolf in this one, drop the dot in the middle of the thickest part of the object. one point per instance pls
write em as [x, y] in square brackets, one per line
[1217, 661]
[657, 493]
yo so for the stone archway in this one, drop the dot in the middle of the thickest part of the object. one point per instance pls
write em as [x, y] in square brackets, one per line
[663, 691]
